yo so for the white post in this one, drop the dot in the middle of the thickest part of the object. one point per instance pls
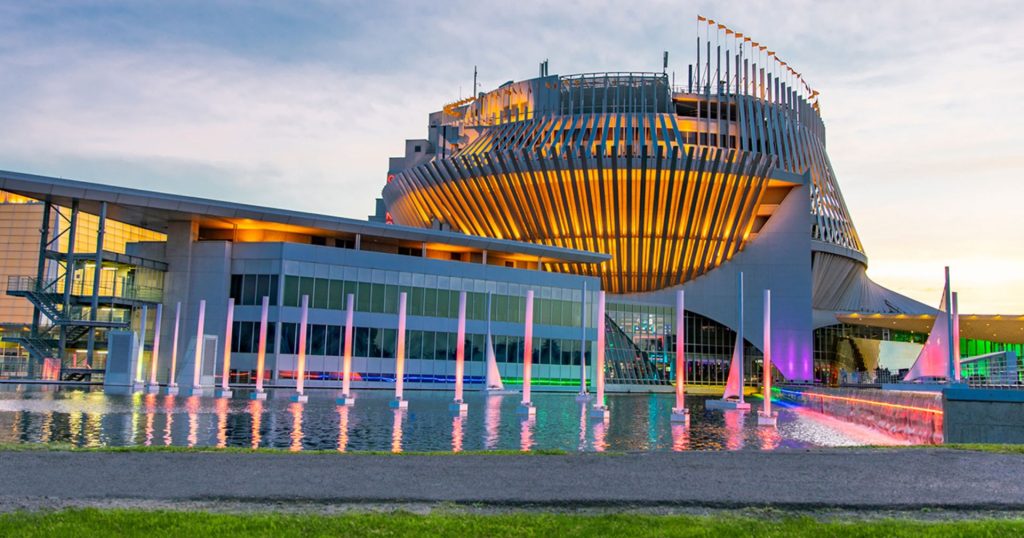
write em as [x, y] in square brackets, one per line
[225, 389]
[680, 413]
[526, 407]
[347, 398]
[765, 417]
[739, 336]
[139, 379]
[300, 370]
[153, 387]
[599, 410]
[583, 395]
[172, 385]
[261, 351]
[458, 405]
[951, 377]
[398, 402]
[198, 365]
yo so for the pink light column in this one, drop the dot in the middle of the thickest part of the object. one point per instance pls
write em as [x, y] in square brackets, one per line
[599, 411]
[526, 407]
[197, 366]
[398, 402]
[346, 368]
[300, 370]
[765, 416]
[153, 386]
[460, 357]
[680, 413]
[172, 385]
[225, 389]
[261, 351]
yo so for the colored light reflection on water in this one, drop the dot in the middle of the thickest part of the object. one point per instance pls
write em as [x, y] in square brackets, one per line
[87, 417]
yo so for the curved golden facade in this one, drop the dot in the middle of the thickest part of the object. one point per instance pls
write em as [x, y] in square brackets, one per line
[671, 185]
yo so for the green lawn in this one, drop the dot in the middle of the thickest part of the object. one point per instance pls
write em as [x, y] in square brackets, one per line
[79, 523]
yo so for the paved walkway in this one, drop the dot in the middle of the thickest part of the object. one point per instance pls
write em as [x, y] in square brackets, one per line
[853, 479]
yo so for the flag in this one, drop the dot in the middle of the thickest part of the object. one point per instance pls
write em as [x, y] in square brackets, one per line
[701, 19]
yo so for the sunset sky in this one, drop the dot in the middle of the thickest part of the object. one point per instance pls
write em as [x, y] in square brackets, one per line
[299, 105]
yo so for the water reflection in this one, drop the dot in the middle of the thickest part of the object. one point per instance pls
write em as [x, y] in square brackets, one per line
[526, 432]
[87, 417]
[396, 430]
[256, 412]
[680, 437]
[492, 420]
[296, 436]
[457, 434]
[734, 428]
[342, 427]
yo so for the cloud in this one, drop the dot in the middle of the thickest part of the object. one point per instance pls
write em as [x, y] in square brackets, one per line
[300, 105]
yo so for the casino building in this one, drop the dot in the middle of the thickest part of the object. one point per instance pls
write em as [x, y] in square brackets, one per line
[563, 184]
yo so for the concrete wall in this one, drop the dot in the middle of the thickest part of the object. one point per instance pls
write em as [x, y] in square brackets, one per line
[983, 416]
[779, 258]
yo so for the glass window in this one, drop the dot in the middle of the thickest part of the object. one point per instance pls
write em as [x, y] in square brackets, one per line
[441, 346]
[333, 347]
[263, 290]
[415, 302]
[391, 300]
[363, 303]
[413, 344]
[291, 291]
[336, 295]
[320, 293]
[430, 302]
[388, 337]
[428, 345]
[499, 305]
[273, 292]
[317, 340]
[375, 343]
[377, 302]
[289, 339]
[306, 287]
[351, 288]
[362, 342]
[236, 288]
[249, 289]
[477, 351]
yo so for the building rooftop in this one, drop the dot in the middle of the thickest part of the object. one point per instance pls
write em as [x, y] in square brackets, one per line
[155, 210]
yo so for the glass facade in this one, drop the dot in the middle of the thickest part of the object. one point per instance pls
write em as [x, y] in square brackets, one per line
[641, 343]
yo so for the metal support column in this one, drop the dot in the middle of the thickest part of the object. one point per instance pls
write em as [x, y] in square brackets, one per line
[44, 239]
[69, 273]
[95, 304]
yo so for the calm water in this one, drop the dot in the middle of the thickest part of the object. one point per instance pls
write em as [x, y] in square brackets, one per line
[88, 417]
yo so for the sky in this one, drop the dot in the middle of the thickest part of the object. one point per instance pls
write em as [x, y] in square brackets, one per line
[300, 104]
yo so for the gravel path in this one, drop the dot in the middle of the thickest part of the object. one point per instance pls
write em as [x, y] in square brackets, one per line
[909, 479]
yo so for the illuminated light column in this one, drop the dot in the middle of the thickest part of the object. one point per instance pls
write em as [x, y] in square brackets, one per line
[599, 410]
[526, 407]
[398, 402]
[197, 366]
[261, 352]
[139, 383]
[154, 387]
[583, 395]
[680, 413]
[347, 398]
[459, 406]
[225, 389]
[172, 384]
[765, 417]
[300, 370]
[951, 365]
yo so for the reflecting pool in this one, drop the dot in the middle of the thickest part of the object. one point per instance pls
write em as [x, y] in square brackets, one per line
[88, 417]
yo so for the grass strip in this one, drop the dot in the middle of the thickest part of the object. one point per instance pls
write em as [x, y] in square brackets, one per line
[93, 522]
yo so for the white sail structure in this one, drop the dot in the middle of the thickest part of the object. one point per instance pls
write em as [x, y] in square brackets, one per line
[933, 361]
[493, 381]
[733, 387]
